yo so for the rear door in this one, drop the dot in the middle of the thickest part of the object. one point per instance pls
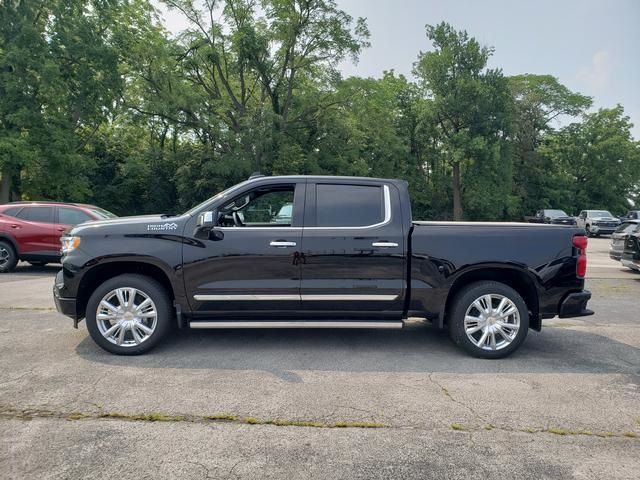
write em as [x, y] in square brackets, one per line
[34, 231]
[353, 250]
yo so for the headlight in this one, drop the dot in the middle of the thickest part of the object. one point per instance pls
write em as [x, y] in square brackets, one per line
[69, 244]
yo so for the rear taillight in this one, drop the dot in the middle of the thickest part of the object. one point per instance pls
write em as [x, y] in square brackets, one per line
[580, 243]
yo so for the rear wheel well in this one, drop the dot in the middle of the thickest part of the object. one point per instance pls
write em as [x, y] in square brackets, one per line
[517, 280]
[100, 274]
[10, 241]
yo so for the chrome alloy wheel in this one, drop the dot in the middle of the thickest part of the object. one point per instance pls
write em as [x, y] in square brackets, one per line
[492, 322]
[4, 256]
[126, 317]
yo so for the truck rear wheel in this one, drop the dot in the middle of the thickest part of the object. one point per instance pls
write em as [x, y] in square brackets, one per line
[488, 319]
[128, 314]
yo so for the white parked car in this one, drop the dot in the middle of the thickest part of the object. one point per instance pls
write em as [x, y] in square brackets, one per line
[598, 222]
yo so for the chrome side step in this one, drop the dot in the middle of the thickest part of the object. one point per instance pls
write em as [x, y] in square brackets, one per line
[295, 324]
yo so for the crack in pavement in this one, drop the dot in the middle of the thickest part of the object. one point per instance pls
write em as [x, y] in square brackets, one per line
[10, 413]
[450, 397]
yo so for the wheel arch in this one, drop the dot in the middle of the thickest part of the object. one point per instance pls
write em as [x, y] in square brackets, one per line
[104, 271]
[14, 244]
[517, 278]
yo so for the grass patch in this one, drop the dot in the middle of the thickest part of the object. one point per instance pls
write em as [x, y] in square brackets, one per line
[630, 434]
[76, 416]
[222, 416]
[458, 426]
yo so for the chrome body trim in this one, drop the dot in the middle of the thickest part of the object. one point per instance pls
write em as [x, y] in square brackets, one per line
[243, 297]
[282, 244]
[363, 297]
[297, 324]
[385, 221]
[276, 297]
[384, 244]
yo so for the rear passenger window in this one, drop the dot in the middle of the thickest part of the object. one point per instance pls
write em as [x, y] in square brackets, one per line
[13, 211]
[37, 214]
[349, 205]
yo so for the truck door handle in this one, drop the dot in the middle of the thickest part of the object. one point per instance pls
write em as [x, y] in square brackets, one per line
[384, 244]
[282, 244]
[15, 226]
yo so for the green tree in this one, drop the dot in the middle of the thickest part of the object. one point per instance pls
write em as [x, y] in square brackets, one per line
[538, 100]
[61, 78]
[469, 103]
[598, 160]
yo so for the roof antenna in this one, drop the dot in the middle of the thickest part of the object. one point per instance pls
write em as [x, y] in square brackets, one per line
[255, 175]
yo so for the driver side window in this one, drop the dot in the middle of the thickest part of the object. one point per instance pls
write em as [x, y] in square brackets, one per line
[262, 207]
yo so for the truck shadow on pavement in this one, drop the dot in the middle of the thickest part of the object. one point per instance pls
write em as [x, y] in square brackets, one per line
[414, 349]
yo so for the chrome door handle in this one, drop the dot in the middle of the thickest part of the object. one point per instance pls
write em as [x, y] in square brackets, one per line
[282, 244]
[384, 244]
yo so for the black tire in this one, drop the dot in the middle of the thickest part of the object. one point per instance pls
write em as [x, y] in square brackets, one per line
[464, 300]
[8, 257]
[151, 288]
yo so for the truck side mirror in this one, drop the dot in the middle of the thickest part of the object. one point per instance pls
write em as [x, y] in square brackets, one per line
[207, 219]
[205, 227]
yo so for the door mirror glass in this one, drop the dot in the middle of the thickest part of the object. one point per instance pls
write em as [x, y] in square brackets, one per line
[207, 219]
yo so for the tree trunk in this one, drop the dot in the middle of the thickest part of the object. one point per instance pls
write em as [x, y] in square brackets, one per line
[457, 197]
[5, 186]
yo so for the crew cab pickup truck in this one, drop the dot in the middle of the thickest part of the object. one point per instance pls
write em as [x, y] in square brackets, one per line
[350, 256]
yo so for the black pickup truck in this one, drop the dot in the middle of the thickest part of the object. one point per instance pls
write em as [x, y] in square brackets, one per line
[318, 252]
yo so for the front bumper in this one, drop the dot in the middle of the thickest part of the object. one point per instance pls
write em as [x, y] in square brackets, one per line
[602, 230]
[575, 305]
[615, 255]
[65, 305]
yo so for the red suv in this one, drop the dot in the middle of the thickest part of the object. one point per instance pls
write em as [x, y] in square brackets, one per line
[31, 231]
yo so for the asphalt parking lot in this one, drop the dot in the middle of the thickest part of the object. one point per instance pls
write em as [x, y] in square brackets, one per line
[321, 404]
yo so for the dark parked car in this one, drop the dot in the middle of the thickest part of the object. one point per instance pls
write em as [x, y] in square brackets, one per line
[631, 215]
[619, 237]
[31, 231]
[350, 257]
[631, 253]
[552, 216]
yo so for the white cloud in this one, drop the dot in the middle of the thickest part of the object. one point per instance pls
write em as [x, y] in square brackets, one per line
[596, 75]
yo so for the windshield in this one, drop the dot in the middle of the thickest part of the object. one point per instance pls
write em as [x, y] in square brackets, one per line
[223, 194]
[555, 213]
[101, 213]
[599, 213]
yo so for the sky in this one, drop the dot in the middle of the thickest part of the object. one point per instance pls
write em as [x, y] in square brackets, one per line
[592, 47]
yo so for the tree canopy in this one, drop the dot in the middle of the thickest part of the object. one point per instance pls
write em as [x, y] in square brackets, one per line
[99, 103]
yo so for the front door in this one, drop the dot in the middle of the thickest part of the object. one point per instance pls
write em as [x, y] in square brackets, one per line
[251, 263]
[353, 251]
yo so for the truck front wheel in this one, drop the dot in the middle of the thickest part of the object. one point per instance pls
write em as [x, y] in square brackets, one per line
[488, 319]
[128, 314]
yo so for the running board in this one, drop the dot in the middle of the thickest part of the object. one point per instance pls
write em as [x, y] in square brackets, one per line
[296, 324]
